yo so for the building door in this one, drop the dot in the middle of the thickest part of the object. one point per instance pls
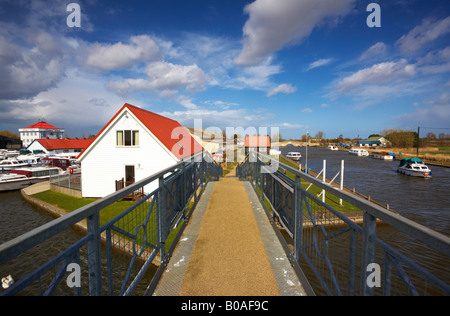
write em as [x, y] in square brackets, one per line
[129, 175]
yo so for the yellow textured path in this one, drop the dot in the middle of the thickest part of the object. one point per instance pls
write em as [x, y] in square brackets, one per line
[229, 256]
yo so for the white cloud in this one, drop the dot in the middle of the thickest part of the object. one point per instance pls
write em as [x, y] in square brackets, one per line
[221, 119]
[434, 113]
[319, 63]
[165, 78]
[34, 65]
[254, 77]
[274, 23]
[80, 100]
[423, 34]
[165, 75]
[289, 126]
[282, 88]
[377, 74]
[186, 102]
[121, 56]
[377, 50]
[307, 110]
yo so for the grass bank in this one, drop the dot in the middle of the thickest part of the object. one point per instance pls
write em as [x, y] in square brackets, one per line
[70, 204]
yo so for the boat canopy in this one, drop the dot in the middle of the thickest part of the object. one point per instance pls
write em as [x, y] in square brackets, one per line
[404, 161]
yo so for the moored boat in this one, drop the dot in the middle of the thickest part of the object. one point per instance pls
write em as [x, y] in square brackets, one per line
[10, 164]
[333, 147]
[383, 155]
[294, 155]
[20, 178]
[414, 167]
[359, 152]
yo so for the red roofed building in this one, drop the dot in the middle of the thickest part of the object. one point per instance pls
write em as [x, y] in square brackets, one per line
[257, 143]
[39, 131]
[59, 146]
[133, 145]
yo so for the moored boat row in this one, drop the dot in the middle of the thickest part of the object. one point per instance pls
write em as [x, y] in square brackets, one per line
[20, 178]
[412, 167]
[24, 173]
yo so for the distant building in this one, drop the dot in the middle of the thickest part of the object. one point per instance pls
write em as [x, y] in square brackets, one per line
[257, 143]
[134, 145]
[39, 130]
[368, 143]
[60, 146]
[374, 141]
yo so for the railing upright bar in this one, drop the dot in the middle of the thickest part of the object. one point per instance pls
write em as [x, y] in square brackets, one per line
[352, 262]
[368, 248]
[162, 218]
[94, 255]
[298, 217]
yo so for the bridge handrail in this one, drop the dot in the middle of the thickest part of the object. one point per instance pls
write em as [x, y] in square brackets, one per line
[431, 237]
[314, 226]
[200, 167]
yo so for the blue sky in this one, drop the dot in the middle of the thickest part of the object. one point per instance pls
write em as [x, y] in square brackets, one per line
[299, 65]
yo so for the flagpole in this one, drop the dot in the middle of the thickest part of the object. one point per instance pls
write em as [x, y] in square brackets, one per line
[307, 143]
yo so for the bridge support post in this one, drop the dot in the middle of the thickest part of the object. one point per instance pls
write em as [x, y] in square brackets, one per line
[298, 218]
[162, 219]
[94, 255]
[368, 251]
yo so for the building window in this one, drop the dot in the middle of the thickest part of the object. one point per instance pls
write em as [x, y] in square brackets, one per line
[127, 138]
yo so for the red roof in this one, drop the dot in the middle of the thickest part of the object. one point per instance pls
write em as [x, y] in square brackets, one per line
[42, 125]
[257, 141]
[53, 144]
[170, 133]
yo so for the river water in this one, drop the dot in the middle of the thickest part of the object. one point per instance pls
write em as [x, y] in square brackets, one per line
[425, 201]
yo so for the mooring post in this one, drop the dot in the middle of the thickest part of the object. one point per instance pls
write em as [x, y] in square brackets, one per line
[324, 178]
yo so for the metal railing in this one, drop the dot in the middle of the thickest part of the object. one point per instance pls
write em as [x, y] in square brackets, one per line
[119, 257]
[69, 181]
[338, 255]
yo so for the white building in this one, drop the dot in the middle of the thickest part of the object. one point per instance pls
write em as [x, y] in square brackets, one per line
[40, 130]
[134, 145]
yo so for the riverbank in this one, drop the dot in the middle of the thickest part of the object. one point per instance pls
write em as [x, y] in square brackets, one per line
[432, 156]
[55, 211]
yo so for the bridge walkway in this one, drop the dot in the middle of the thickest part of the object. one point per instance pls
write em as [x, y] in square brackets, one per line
[229, 248]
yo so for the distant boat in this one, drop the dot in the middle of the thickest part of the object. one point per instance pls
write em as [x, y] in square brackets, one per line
[383, 155]
[414, 167]
[333, 147]
[10, 164]
[294, 155]
[359, 152]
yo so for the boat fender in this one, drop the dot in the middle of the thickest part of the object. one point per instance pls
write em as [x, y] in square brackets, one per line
[71, 171]
[7, 281]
